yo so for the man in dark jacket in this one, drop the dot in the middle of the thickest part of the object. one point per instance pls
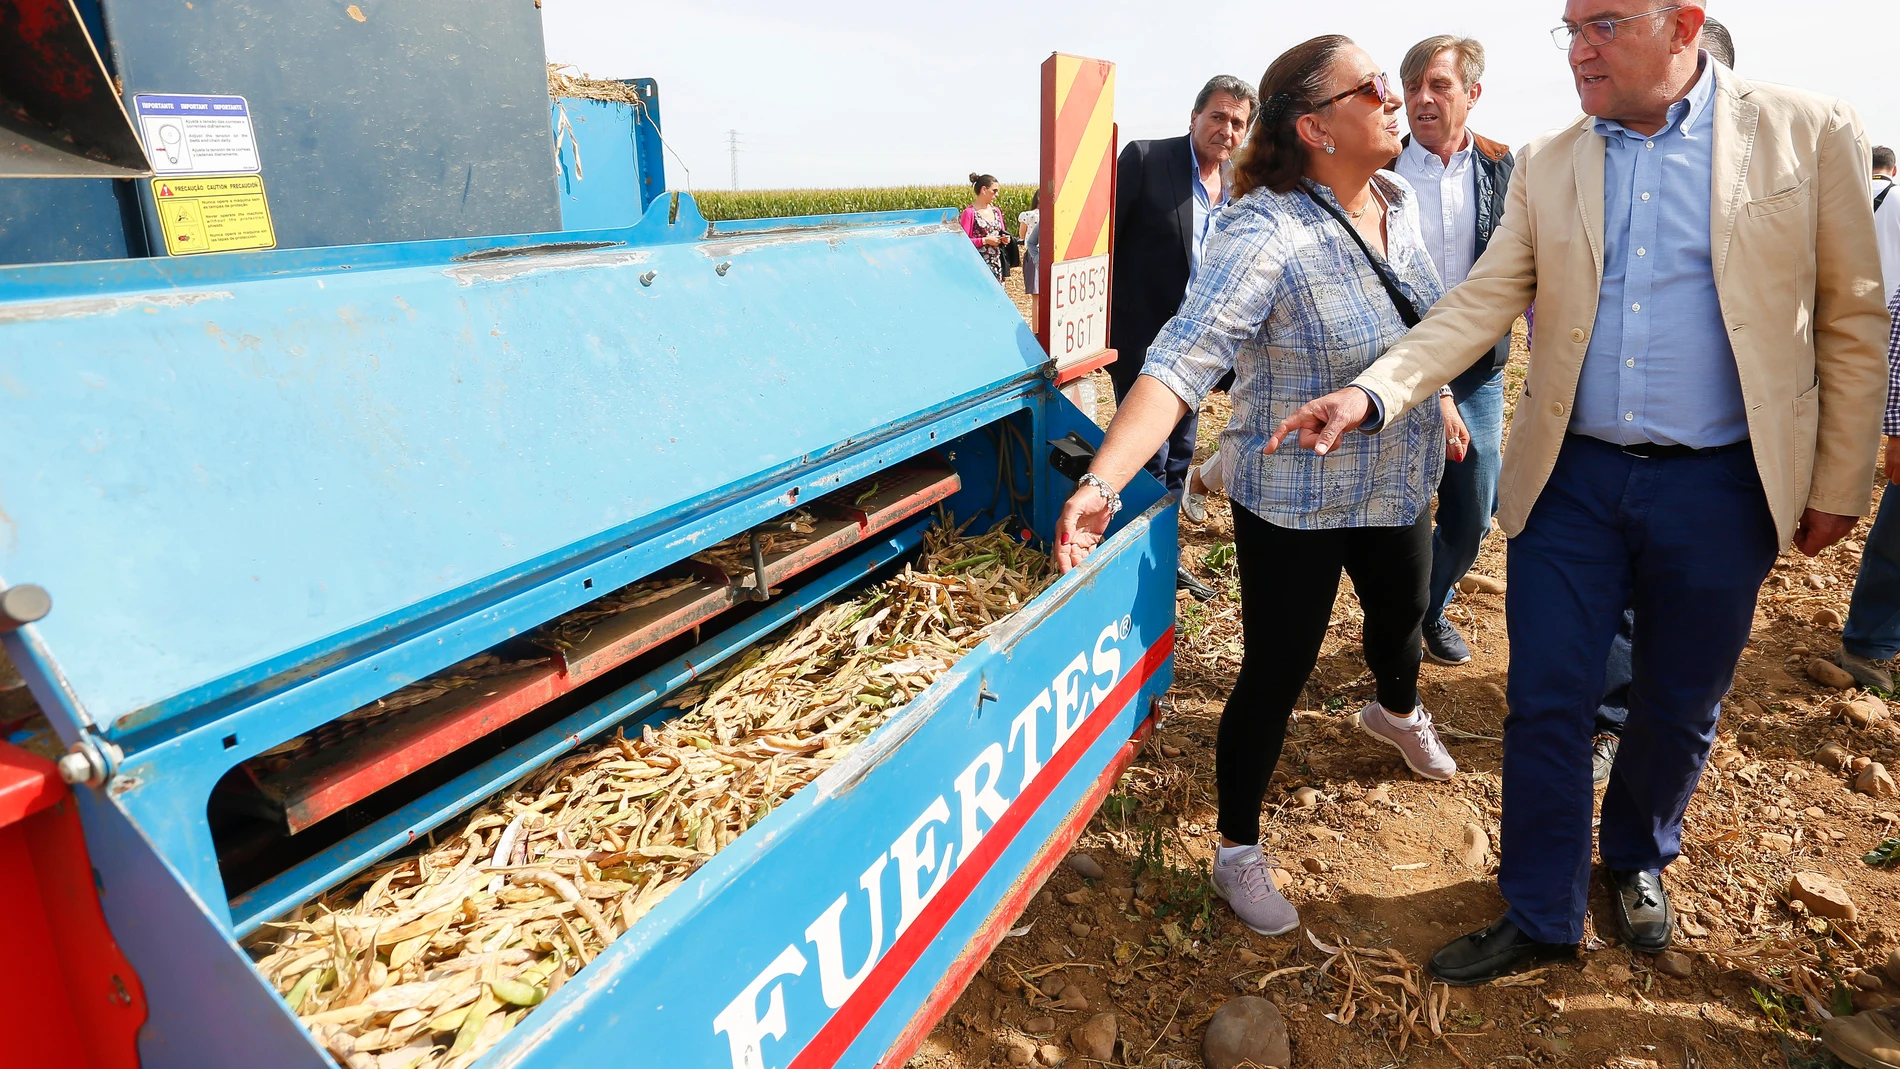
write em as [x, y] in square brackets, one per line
[1167, 192]
[1461, 180]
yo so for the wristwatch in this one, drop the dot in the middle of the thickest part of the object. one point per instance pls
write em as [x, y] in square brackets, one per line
[1101, 487]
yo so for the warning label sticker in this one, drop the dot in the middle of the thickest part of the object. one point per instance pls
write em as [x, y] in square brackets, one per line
[196, 134]
[223, 214]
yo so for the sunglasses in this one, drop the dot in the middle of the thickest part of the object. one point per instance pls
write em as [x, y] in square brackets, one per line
[1378, 87]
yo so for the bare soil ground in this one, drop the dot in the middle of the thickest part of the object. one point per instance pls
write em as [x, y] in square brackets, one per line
[1379, 860]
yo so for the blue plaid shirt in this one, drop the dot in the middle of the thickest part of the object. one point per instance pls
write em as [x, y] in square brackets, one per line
[1285, 298]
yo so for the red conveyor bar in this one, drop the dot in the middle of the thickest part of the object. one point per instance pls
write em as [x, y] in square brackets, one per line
[342, 775]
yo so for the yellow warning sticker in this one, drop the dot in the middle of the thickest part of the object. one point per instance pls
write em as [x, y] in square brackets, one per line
[218, 214]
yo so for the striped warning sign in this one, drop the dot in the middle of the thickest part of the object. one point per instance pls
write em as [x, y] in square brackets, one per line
[1078, 207]
[1079, 94]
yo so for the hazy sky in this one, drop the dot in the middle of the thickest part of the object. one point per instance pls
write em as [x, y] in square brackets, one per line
[853, 93]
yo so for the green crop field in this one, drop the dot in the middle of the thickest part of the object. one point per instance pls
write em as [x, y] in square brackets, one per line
[776, 203]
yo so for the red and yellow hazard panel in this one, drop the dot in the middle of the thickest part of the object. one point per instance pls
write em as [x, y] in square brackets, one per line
[1078, 207]
[220, 213]
[1082, 142]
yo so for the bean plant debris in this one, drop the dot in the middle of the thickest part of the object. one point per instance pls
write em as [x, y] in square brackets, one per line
[427, 961]
[565, 633]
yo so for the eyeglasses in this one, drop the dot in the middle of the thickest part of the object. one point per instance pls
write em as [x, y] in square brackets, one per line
[1377, 87]
[1598, 33]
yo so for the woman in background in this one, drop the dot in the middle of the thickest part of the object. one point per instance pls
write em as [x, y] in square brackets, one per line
[1028, 226]
[983, 222]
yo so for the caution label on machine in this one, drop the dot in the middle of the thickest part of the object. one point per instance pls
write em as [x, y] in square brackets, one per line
[226, 213]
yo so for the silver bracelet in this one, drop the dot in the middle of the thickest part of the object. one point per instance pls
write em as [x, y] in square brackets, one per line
[1445, 390]
[1101, 487]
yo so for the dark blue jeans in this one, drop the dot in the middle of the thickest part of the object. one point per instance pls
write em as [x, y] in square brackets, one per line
[1468, 493]
[1873, 616]
[1614, 710]
[1686, 542]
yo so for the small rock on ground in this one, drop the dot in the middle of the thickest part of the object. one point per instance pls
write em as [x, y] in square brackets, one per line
[1675, 963]
[1864, 711]
[1827, 618]
[1876, 782]
[1822, 896]
[1477, 848]
[1474, 583]
[1086, 867]
[1829, 674]
[1049, 1054]
[1094, 1038]
[1246, 1029]
[1073, 998]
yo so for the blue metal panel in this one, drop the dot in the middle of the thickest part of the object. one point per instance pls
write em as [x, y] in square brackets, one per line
[207, 1007]
[599, 163]
[264, 489]
[411, 119]
[316, 460]
[609, 157]
[646, 135]
[44, 220]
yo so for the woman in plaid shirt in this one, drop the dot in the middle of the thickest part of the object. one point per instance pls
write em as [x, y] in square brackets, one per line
[1300, 288]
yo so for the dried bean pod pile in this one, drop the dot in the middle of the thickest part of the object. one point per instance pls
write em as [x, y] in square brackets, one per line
[427, 961]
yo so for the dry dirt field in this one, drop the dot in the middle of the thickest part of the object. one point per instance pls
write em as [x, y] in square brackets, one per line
[1386, 867]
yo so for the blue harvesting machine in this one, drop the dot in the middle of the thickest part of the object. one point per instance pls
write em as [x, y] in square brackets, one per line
[245, 495]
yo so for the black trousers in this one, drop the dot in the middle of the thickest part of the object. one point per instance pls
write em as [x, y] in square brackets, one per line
[1288, 581]
[1171, 463]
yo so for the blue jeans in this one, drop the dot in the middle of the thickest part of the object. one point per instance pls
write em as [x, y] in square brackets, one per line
[1686, 542]
[1467, 494]
[1873, 616]
[1614, 710]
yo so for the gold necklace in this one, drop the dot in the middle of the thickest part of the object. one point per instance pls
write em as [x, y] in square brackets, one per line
[1373, 199]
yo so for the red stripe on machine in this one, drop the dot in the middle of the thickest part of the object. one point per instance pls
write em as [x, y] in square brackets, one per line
[844, 1026]
[1094, 216]
[1073, 123]
[1012, 904]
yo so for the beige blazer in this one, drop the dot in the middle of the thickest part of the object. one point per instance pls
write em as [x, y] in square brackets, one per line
[1797, 272]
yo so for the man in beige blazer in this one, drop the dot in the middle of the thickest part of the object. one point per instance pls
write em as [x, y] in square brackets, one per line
[1705, 386]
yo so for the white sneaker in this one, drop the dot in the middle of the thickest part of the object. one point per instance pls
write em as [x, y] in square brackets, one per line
[1194, 505]
[1418, 743]
[1248, 887]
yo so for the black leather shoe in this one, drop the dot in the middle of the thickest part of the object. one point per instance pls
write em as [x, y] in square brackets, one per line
[1602, 758]
[1493, 952]
[1184, 580]
[1644, 917]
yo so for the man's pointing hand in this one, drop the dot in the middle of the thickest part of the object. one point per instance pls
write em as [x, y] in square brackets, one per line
[1323, 422]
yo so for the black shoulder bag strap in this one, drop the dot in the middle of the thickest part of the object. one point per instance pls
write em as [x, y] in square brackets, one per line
[1407, 311]
[1882, 199]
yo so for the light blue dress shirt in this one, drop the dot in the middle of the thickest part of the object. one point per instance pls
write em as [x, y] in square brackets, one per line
[1659, 367]
[1204, 206]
